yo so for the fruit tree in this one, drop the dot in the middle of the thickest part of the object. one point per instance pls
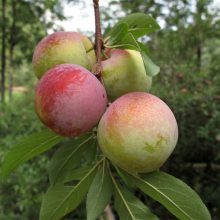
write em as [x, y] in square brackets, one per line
[96, 99]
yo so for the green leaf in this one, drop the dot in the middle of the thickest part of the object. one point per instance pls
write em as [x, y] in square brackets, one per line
[128, 42]
[76, 174]
[89, 155]
[151, 68]
[130, 207]
[140, 24]
[143, 47]
[125, 178]
[174, 194]
[99, 193]
[117, 33]
[61, 200]
[68, 157]
[27, 148]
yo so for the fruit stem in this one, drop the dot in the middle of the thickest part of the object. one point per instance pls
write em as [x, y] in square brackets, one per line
[98, 39]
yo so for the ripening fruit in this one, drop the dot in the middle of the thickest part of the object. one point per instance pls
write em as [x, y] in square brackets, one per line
[138, 132]
[70, 100]
[63, 47]
[124, 72]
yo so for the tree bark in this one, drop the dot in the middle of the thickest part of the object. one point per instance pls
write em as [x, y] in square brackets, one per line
[12, 45]
[199, 56]
[200, 9]
[3, 57]
[98, 39]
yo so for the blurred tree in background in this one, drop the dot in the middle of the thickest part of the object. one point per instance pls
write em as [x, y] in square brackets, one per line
[24, 24]
[187, 49]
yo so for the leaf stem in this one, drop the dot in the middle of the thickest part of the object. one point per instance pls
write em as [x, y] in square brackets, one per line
[117, 189]
[98, 39]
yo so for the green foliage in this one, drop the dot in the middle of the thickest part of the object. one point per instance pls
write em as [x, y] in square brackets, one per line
[125, 35]
[140, 24]
[128, 206]
[63, 197]
[21, 193]
[116, 34]
[99, 194]
[198, 115]
[77, 173]
[27, 148]
[175, 195]
[60, 200]
[150, 68]
[189, 84]
[68, 157]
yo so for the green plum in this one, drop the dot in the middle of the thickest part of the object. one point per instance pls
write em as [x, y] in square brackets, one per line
[124, 72]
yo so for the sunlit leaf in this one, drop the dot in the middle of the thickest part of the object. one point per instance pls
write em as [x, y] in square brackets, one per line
[27, 148]
[128, 42]
[117, 33]
[150, 67]
[143, 47]
[140, 24]
[99, 193]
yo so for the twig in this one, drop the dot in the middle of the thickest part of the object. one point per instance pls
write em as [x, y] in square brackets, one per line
[98, 39]
[109, 214]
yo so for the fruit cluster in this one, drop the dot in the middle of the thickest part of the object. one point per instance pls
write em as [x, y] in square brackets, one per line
[137, 132]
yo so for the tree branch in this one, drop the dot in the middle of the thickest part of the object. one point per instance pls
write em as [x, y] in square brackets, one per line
[98, 39]
[109, 214]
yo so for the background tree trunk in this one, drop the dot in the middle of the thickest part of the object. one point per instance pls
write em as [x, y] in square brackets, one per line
[12, 45]
[3, 57]
[199, 56]
[200, 9]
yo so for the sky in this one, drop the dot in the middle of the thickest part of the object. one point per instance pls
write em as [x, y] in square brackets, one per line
[81, 15]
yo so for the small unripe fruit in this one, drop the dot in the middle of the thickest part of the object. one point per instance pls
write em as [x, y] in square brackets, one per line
[63, 47]
[138, 132]
[124, 72]
[70, 100]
